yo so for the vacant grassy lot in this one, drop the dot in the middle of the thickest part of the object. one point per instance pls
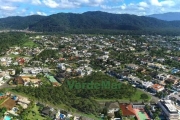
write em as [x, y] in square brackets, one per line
[135, 98]
[29, 43]
[34, 114]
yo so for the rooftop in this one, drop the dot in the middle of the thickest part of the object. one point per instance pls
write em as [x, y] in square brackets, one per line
[157, 86]
[168, 104]
[127, 109]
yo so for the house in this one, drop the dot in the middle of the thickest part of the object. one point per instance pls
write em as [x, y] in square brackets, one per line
[131, 48]
[157, 88]
[175, 97]
[161, 59]
[21, 61]
[127, 110]
[18, 80]
[174, 71]
[147, 84]
[26, 70]
[45, 70]
[47, 111]
[11, 71]
[63, 115]
[3, 61]
[132, 66]
[81, 71]
[172, 79]
[124, 75]
[2, 74]
[30, 79]
[112, 106]
[23, 100]
[134, 79]
[156, 65]
[162, 76]
[61, 66]
[36, 70]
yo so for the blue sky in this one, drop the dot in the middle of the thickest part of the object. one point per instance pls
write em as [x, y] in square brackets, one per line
[48, 7]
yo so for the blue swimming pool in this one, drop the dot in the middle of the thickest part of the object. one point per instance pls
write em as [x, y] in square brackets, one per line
[1, 94]
[7, 118]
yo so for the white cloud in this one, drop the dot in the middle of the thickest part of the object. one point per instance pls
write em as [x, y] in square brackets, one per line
[36, 2]
[41, 13]
[14, 0]
[168, 3]
[155, 3]
[144, 7]
[143, 4]
[51, 3]
[7, 8]
[123, 6]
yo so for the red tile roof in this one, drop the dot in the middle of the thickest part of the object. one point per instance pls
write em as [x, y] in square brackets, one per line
[127, 109]
[157, 87]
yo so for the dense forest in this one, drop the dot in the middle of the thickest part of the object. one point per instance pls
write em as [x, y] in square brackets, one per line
[47, 54]
[81, 99]
[99, 20]
[92, 23]
[10, 39]
[17, 22]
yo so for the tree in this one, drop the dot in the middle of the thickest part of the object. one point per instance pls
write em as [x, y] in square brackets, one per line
[144, 96]
[2, 111]
[105, 110]
[147, 107]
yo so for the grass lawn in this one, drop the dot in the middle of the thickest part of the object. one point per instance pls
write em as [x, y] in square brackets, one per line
[12, 55]
[45, 81]
[61, 106]
[135, 98]
[129, 118]
[2, 100]
[29, 43]
[34, 114]
[65, 107]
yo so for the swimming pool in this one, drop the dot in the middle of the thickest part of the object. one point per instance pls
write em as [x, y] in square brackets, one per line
[7, 118]
[1, 94]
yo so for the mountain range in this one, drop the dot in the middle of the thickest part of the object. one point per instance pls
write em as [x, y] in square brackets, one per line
[170, 16]
[88, 21]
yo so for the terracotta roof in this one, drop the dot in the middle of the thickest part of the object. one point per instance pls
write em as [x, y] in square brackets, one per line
[127, 109]
[18, 80]
[157, 87]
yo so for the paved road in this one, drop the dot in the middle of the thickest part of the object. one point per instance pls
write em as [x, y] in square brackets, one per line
[6, 85]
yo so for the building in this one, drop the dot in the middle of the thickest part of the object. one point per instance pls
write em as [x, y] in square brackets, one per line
[169, 110]
[162, 76]
[157, 88]
[175, 97]
[127, 110]
[172, 79]
[132, 66]
[18, 80]
[147, 84]
[112, 107]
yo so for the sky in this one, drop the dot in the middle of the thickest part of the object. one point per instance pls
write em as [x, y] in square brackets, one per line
[48, 7]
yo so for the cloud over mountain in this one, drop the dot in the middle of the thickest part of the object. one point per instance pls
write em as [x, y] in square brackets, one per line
[138, 7]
